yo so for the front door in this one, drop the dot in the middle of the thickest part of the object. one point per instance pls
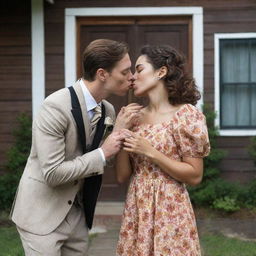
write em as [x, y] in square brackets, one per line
[136, 31]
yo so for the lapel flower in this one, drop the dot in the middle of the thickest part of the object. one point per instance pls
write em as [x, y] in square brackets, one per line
[109, 123]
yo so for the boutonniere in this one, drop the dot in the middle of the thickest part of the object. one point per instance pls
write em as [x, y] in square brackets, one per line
[109, 123]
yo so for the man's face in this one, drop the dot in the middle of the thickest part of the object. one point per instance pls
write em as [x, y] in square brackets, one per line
[120, 79]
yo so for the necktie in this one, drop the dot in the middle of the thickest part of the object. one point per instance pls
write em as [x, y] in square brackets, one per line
[96, 116]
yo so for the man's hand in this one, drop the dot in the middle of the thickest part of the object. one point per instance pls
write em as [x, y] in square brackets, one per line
[128, 116]
[113, 144]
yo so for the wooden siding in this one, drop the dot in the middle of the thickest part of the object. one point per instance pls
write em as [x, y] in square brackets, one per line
[15, 68]
[15, 60]
[219, 17]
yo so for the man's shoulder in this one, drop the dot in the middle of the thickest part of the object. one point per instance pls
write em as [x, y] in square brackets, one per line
[59, 97]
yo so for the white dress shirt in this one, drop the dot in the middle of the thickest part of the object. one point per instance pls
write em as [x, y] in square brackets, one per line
[91, 104]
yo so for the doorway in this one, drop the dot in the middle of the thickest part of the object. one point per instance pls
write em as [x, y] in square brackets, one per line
[136, 31]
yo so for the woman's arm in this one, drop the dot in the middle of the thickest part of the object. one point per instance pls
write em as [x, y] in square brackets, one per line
[126, 118]
[123, 166]
[189, 171]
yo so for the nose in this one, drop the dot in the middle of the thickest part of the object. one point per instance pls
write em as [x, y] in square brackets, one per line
[132, 78]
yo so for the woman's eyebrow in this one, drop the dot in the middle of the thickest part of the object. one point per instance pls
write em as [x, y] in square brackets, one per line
[138, 65]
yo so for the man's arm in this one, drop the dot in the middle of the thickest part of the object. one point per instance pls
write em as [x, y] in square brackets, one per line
[49, 131]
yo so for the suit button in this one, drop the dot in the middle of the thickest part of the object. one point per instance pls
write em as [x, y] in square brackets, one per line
[75, 182]
[69, 202]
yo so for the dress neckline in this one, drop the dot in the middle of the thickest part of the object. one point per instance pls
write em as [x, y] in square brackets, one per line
[164, 122]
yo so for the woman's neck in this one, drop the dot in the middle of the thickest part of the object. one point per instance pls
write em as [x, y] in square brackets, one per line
[158, 100]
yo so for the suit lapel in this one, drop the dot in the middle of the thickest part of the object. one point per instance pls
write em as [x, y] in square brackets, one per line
[87, 125]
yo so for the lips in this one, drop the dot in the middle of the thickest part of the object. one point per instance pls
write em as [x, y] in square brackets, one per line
[131, 85]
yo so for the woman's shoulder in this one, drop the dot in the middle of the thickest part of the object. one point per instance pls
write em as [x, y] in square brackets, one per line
[189, 111]
[188, 114]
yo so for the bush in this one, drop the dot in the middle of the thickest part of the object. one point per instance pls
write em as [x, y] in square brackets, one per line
[16, 161]
[249, 196]
[226, 203]
[215, 192]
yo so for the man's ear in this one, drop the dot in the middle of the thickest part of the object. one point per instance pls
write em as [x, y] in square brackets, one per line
[162, 72]
[102, 74]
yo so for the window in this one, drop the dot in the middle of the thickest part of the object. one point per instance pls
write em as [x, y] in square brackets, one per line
[236, 85]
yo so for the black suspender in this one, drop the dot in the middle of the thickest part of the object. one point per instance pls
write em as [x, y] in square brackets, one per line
[92, 184]
[77, 114]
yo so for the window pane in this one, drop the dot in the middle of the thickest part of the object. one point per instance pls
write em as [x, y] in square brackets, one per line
[243, 105]
[235, 61]
[253, 61]
[228, 103]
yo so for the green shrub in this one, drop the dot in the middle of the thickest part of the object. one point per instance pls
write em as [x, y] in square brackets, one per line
[249, 195]
[16, 161]
[215, 192]
[226, 203]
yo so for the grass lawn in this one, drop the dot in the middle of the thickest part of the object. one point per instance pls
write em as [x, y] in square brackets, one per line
[212, 244]
[218, 245]
[10, 244]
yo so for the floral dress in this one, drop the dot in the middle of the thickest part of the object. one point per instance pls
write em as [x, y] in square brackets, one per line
[158, 217]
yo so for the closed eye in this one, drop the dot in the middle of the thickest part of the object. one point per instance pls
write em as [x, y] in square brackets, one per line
[139, 68]
[126, 71]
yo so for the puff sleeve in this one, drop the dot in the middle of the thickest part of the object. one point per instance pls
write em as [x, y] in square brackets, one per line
[190, 133]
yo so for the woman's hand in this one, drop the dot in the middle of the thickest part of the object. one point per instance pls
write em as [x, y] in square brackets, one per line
[128, 116]
[137, 144]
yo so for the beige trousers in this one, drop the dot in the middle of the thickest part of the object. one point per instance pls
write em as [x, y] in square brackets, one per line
[70, 238]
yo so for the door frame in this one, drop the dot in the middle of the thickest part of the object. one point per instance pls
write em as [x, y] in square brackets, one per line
[71, 34]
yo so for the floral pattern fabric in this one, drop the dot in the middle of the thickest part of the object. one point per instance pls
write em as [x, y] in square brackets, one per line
[158, 218]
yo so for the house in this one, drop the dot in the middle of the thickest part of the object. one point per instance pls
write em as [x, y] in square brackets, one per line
[41, 44]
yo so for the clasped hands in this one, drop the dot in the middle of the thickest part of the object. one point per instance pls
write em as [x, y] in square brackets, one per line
[122, 137]
[127, 117]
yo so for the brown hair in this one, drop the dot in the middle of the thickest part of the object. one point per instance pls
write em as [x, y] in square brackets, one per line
[180, 85]
[102, 53]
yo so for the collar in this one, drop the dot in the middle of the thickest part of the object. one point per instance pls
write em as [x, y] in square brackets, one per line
[89, 100]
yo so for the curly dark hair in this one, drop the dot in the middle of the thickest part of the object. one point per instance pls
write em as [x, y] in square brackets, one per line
[180, 85]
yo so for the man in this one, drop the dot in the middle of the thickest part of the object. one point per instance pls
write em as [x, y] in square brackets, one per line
[48, 210]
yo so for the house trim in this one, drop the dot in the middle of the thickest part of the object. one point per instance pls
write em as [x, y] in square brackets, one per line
[70, 33]
[217, 37]
[38, 54]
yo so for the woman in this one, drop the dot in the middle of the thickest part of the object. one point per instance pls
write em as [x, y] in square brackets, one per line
[163, 152]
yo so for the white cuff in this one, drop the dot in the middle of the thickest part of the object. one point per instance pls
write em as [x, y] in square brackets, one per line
[102, 156]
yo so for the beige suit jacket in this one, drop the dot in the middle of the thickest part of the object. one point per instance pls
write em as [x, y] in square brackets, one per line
[56, 165]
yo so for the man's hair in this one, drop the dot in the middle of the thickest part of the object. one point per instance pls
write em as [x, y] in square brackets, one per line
[102, 53]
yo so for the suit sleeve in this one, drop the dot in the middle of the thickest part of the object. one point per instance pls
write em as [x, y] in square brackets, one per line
[49, 131]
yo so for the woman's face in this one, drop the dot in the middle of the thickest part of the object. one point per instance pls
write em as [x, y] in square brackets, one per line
[145, 76]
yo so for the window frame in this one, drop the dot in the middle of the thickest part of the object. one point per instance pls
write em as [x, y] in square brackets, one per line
[217, 57]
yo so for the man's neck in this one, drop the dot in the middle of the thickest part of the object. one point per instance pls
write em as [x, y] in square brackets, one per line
[96, 89]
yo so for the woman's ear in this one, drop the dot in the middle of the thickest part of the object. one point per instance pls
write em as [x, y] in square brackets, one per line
[101, 74]
[162, 72]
